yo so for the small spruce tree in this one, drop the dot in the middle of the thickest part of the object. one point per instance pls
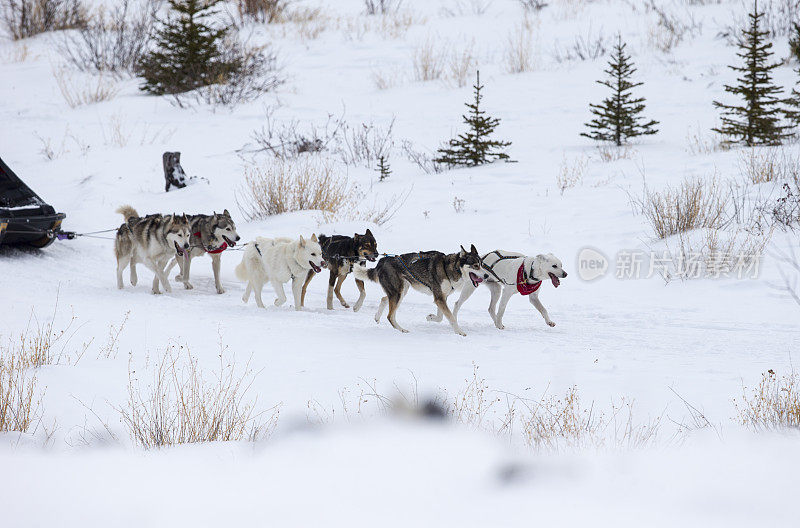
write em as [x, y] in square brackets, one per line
[617, 117]
[792, 110]
[757, 120]
[187, 53]
[474, 147]
[383, 168]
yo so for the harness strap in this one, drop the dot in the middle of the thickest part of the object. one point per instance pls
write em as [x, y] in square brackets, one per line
[220, 249]
[400, 258]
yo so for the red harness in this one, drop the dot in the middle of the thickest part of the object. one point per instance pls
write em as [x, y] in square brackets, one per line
[220, 249]
[522, 285]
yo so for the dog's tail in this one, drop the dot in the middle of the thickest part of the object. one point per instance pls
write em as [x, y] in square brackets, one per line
[363, 273]
[241, 269]
[127, 212]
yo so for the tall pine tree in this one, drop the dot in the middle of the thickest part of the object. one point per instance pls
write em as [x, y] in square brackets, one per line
[757, 120]
[617, 118]
[187, 53]
[474, 147]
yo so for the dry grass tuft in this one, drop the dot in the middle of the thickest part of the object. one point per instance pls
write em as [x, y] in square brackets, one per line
[694, 204]
[308, 186]
[571, 174]
[521, 52]
[83, 92]
[609, 153]
[461, 65]
[769, 164]
[26, 18]
[18, 405]
[429, 61]
[180, 406]
[773, 404]
[700, 143]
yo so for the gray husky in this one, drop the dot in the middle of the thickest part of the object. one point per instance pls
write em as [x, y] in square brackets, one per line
[211, 234]
[151, 240]
[430, 272]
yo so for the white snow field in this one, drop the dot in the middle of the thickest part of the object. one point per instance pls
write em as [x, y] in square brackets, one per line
[330, 460]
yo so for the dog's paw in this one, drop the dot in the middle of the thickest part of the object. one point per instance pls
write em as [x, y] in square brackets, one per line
[461, 332]
[345, 304]
[550, 323]
[156, 292]
[433, 318]
[220, 290]
[188, 286]
[279, 302]
[500, 326]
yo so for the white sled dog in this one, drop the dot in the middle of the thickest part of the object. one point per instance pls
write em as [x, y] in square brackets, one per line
[277, 261]
[151, 240]
[510, 273]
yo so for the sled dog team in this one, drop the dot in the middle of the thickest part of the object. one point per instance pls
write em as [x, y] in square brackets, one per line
[162, 241]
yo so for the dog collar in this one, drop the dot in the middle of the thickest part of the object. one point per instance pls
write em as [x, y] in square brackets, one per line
[522, 285]
[220, 249]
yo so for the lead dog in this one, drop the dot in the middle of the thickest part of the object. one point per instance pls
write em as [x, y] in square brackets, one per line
[211, 234]
[341, 253]
[430, 272]
[514, 273]
[151, 240]
[278, 261]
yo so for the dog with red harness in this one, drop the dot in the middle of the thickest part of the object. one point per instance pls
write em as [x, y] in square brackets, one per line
[506, 273]
[212, 235]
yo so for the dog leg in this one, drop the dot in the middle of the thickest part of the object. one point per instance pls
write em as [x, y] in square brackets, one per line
[466, 292]
[331, 283]
[297, 290]
[539, 306]
[247, 291]
[504, 298]
[436, 318]
[122, 263]
[155, 289]
[134, 276]
[495, 289]
[257, 291]
[381, 307]
[179, 276]
[158, 269]
[394, 302]
[305, 287]
[278, 287]
[338, 291]
[362, 294]
[441, 304]
[216, 263]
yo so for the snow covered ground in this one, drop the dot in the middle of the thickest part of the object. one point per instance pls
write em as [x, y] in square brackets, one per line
[645, 340]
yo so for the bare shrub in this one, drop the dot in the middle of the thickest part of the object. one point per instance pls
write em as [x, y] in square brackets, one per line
[700, 143]
[300, 186]
[571, 174]
[112, 40]
[713, 253]
[264, 11]
[778, 17]
[694, 204]
[785, 211]
[428, 61]
[533, 5]
[385, 79]
[365, 143]
[287, 140]
[257, 73]
[18, 403]
[610, 152]
[421, 159]
[466, 7]
[769, 164]
[583, 47]
[459, 204]
[83, 91]
[26, 18]
[180, 406]
[670, 29]
[381, 7]
[461, 65]
[773, 404]
[17, 53]
[519, 54]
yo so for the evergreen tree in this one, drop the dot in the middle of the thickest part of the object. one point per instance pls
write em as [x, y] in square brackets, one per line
[383, 168]
[187, 52]
[474, 147]
[617, 117]
[792, 110]
[757, 121]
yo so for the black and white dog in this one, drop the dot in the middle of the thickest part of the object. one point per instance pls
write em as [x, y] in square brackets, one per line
[506, 273]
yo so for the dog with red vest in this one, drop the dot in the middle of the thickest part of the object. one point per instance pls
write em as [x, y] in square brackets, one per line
[506, 273]
[211, 235]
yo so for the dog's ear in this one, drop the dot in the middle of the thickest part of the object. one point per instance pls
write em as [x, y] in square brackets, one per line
[356, 236]
[226, 213]
[463, 251]
[314, 237]
[302, 241]
[369, 234]
[472, 249]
